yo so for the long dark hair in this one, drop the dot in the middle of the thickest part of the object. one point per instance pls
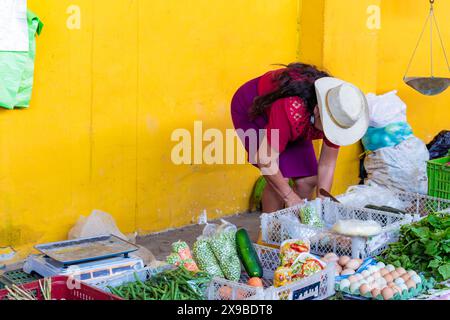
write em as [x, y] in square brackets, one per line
[297, 80]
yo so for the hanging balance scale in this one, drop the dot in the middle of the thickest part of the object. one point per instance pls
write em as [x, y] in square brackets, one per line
[431, 85]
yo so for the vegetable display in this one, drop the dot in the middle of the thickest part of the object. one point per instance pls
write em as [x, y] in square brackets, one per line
[309, 216]
[205, 258]
[181, 256]
[425, 246]
[248, 255]
[223, 245]
[296, 263]
[178, 284]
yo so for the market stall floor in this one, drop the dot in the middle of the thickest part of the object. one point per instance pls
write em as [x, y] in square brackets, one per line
[160, 244]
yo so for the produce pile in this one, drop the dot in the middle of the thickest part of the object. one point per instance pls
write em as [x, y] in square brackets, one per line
[296, 263]
[181, 256]
[178, 284]
[425, 246]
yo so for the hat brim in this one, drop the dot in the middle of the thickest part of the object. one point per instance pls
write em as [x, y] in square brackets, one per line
[334, 133]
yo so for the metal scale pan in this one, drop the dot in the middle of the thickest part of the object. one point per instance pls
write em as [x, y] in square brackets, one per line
[429, 86]
[88, 249]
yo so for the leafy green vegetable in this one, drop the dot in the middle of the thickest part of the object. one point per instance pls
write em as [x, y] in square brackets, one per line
[423, 246]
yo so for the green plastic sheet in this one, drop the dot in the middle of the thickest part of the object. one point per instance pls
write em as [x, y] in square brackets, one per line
[17, 70]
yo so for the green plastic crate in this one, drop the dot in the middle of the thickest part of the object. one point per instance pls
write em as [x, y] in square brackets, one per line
[439, 178]
[18, 277]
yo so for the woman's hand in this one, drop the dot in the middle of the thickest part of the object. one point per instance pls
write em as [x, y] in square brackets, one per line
[293, 200]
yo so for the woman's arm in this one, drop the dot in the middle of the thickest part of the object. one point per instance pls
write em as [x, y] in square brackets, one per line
[327, 166]
[267, 161]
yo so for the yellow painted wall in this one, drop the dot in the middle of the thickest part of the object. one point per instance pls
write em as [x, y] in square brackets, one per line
[108, 96]
[106, 100]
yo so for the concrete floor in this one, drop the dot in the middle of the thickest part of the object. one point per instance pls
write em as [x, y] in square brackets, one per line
[160, 244]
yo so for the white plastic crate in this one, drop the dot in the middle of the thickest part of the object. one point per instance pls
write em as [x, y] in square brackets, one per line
[274, 232]
[129, 277]
[316, 287]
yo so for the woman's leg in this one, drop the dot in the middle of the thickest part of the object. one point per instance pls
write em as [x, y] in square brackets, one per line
[271, 201]
[305, 187]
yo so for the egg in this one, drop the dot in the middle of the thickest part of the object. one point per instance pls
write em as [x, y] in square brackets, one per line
[352, 279]
[384, 272]
[359, 276]
[399, 281]
[344, 284]
[410, 284]
[374, 285]
[375, 292]
[395, 274]
[338, 269]
[365, 273]
[381, 265]
[354, 287]
[344, 260]
[372, 269]
[382, 282]
[403, 287]
[416, 279]
[370, 279]
[391, 285]
[331, 257]
[412, 273]
[388, 278]
[396, 290]
[405, 277]
[353, 264]
[387, 293]
[376, 275]
[400, 271]
[347, 272]
[390, 268]
[364, 289]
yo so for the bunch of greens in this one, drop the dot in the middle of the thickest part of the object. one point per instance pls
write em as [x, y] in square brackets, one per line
[177, 284]
[423, 246]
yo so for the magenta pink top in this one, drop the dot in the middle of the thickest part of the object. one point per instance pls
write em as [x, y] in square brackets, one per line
[289, 115]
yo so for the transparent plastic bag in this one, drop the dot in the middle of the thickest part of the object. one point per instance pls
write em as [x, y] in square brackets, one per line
[362, 195]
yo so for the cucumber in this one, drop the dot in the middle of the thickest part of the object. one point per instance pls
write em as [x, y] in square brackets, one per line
[248, 255]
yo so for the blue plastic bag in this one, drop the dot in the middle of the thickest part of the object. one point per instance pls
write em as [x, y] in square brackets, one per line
[389, 136]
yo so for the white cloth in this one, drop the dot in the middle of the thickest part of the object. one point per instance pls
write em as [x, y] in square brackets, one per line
[13, 25]
[386, 109]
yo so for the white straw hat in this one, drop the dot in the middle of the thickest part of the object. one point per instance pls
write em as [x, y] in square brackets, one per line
[343, 109]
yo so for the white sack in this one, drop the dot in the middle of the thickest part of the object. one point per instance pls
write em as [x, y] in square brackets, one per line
[403, 167]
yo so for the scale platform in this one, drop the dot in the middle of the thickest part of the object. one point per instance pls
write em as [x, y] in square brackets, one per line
[89, 272]
[89, 259]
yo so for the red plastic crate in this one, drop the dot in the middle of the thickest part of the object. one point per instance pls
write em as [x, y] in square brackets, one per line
[61, 290]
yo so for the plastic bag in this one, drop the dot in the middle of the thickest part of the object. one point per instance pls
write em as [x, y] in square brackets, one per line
[17, 70]
[440, 145]
[401, 168]
[386, 109]
[363, 195]
[389, 136]
[215, 251]
[97, 224]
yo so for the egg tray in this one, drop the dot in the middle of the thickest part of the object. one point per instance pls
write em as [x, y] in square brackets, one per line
[422, 287]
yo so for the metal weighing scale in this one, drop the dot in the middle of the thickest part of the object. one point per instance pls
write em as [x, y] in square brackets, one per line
[432, 85]
[90, 259]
